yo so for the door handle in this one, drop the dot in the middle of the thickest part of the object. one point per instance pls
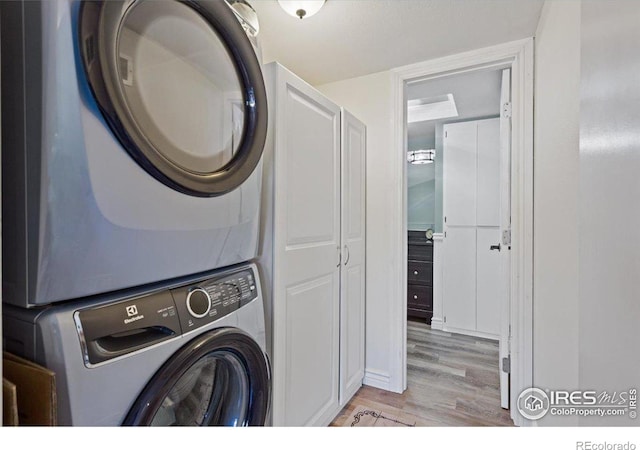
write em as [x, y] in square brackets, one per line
[495, 247]
[346, 249]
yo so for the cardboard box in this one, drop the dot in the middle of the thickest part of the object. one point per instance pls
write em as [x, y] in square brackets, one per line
[9, 403]
[35, 390]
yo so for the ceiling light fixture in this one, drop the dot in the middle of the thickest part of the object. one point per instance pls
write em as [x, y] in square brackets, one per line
[421, 156]
[301, 8]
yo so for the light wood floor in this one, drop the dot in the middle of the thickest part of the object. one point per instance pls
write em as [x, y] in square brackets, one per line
[452, 380]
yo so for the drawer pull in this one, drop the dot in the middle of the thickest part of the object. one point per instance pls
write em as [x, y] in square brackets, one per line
[415, 272]
[415, 297]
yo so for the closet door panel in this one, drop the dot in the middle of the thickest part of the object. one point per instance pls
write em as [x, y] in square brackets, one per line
[459, 278]
[488, 193]
[306, 294]
[352, 279]
[459, 173]
[489, 287]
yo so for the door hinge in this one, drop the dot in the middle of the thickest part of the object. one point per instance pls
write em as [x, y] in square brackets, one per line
[445, 319]
[506, 364]
[445, 219]
[446, 133]
[506, 110]
[506, 237]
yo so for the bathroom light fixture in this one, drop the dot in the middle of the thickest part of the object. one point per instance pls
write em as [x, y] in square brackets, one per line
[421, 156]
[301, 8]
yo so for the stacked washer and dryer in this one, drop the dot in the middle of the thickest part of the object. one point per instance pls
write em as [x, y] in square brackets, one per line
[132, 135]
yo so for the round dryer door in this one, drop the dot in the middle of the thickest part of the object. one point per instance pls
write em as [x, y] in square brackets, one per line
[220, 378]
[180, 86]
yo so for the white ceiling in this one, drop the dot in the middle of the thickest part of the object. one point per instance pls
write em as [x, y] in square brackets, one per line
[350, 38]
[477, 95]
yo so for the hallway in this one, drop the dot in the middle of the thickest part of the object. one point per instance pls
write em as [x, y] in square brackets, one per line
[452, 380]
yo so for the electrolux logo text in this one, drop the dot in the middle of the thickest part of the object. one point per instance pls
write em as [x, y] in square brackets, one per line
[132, 312]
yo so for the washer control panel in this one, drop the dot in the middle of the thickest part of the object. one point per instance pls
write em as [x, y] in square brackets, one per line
[116, 329]
[212, 299]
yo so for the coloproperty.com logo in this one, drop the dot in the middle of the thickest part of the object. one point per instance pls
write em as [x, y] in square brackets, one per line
[534, 403]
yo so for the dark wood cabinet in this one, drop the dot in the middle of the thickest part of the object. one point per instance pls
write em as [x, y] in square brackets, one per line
[420, 276]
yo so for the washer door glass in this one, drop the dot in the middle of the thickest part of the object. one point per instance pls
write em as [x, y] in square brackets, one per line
[180, 86]
[213, 391]
[221, 377]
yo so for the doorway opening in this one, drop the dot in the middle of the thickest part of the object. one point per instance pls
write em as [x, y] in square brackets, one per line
[458, 207]
[514, 238]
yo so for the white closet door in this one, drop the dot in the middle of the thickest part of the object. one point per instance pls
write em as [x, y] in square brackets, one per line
[459, 278]
[488, 173]
[489, 282]
[459, 173]
[352, 298]
[306, 255]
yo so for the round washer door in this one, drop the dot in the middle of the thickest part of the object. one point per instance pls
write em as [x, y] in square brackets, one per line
[220, 378]
[180, 86]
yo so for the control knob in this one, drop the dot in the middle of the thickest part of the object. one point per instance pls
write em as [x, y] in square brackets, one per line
[198, 303]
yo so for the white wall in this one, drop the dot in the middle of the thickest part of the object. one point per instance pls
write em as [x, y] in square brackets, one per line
[421, 195]
[556, 181]
[609, 211]
[369, 98]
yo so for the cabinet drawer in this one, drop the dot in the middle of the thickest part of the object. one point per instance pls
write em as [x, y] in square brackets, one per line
[420, 272]
[420, 297]
[420, 252]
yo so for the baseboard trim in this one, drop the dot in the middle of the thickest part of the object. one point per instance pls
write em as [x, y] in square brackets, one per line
[380, 380]
[437, 323]
[479, 334]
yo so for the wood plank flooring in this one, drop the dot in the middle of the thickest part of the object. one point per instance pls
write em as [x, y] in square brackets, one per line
[452, 380]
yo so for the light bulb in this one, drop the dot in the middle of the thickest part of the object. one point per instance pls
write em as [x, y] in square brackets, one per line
[301, 8]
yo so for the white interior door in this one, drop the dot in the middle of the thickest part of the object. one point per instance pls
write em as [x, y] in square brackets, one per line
[488, 285]
[306, 255]
[505, 231]
[352, 278]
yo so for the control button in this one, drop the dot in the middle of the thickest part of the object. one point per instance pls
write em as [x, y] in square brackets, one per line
[198, 303]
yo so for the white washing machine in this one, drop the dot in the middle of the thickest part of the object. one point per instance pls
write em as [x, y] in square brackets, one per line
[132, 134]
[186, 352]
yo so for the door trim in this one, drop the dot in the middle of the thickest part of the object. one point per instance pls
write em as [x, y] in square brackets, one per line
[518, 55]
